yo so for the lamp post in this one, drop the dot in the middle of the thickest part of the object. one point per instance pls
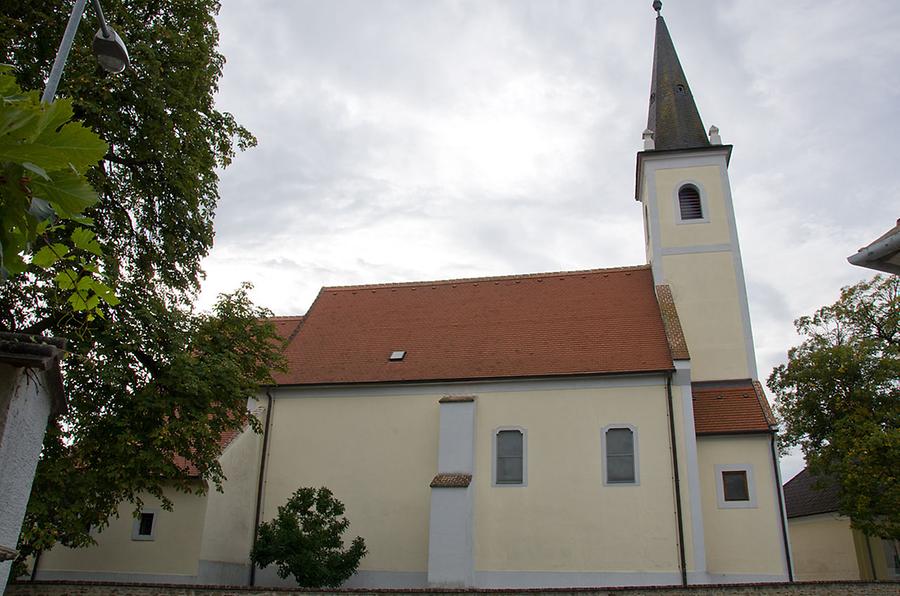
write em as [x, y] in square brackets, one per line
[108, 47]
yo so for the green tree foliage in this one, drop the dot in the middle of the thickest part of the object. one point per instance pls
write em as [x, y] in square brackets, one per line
[151, 378]
[304, 540]
[838, 398]
[42, 157]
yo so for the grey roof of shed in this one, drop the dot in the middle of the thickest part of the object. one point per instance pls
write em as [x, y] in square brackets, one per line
[673, 116]
[37, 352]
[805, 494]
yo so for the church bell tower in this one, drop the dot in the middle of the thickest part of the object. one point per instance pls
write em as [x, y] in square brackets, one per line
[691, 237]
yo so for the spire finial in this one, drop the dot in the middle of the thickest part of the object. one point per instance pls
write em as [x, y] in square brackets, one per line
[657, 6]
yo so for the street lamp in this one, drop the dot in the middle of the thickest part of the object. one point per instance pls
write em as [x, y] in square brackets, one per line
[108, 48]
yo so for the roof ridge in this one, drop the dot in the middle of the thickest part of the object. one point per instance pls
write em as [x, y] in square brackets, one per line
[671, 323]
[405, 284]
[284, 317]
[764, 403]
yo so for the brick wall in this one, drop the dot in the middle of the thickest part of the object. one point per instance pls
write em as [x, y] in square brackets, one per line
[68, 588]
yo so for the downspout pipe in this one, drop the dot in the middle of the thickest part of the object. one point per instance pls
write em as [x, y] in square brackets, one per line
[782, 511]
[678, 513]
[262, 477]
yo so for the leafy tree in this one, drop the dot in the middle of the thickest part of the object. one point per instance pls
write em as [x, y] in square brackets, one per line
[150, 378]
[42, 155]
[838, 398]
[304, 540]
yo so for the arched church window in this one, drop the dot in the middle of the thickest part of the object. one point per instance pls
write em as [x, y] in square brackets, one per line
[689, 202]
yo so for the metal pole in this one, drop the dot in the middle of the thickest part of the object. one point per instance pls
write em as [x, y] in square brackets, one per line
[63, 53]
[103, 26]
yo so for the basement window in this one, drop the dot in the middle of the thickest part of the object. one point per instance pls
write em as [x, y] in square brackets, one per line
[397, 355]
[144, 526]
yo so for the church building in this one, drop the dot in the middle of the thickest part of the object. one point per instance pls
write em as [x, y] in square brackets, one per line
[603, 427]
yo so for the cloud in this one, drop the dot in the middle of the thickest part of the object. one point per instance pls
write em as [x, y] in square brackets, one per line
[404, 140]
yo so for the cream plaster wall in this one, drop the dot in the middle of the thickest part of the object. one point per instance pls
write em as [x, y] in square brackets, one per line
[229, 524]
[565, 519]
[684, 479]
[706, 294]
[822, 548]
[174, 551]
[377, 454]
[709, 180]
[741, 541]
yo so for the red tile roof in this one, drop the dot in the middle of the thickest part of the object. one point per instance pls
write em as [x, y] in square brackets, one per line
[578, 322]
[286, 327]
[730, 408]
[188, 467]
[451, 480]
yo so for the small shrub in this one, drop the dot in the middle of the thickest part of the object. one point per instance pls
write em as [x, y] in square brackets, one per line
[304, 540]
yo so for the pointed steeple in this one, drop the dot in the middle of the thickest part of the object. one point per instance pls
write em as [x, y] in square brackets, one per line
[673, 116]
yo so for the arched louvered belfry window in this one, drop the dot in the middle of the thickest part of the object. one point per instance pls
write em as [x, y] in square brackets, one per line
[689, 203]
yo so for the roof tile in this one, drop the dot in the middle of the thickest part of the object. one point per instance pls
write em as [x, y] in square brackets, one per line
[578, 322]
[730, 407]
[805, 494]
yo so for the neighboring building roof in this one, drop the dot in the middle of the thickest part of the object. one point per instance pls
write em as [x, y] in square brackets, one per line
[736, 407]
[805, 494]
[225, 439]
[883, 254]
[673, 116]
[597, 321]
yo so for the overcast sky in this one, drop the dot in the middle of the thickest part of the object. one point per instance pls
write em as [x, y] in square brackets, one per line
[426, 139]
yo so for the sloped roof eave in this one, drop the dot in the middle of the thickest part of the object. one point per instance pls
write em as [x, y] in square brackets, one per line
[496, 379]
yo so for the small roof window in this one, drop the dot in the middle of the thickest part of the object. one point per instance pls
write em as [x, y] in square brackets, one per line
[397, 355]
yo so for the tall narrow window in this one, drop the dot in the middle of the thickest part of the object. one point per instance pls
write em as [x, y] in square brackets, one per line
[510, 450]
[689, 202]
[620, 459]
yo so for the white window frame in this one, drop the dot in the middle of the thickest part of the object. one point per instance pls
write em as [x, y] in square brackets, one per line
[720, 487]
[136, 525]
[637, 461]
[704, 204]
[496, 433]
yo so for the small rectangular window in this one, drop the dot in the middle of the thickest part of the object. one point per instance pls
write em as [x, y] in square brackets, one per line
[620, 456]
[510, 454]
[144, 526]
[734, 486]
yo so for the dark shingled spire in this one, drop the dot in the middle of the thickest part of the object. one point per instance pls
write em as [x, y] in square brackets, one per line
[673, 116]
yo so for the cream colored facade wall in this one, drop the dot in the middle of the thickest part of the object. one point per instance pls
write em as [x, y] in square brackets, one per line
[706, 294]
[565, 519]
[822, 548]
[709, 180]
[741, 541]
[377, 454]
[700, 260]
[229, 524]
[174, 551]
